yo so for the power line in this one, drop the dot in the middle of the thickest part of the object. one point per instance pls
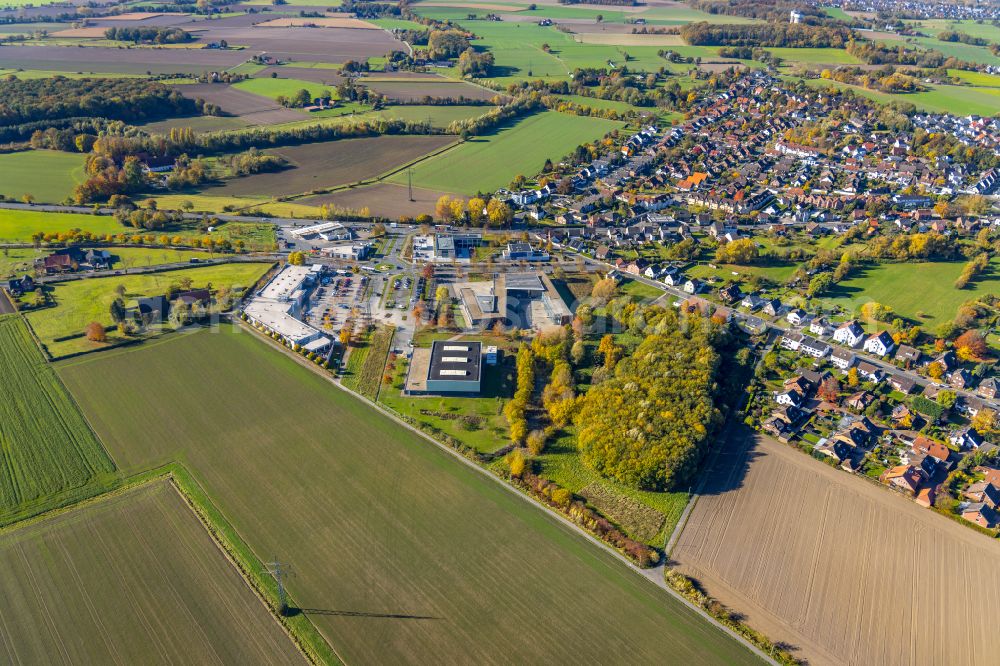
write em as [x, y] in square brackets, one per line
[279, 571]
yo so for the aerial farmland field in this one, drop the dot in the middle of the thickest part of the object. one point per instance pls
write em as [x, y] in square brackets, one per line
[135, 578]
[48, 453]
[847, 571]
[315, 166]
[488, 162]
[401, 552]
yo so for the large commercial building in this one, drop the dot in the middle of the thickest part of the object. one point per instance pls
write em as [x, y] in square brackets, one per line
[447, 368]
[278, 306]
[328, 231]
[524, 300]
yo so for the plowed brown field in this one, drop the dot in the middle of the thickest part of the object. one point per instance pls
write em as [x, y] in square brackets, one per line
[848, 572]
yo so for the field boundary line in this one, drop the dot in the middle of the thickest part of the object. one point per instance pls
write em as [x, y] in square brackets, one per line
[560, 519]
[223, 534]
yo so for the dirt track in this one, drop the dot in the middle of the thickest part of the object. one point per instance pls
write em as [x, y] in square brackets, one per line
[848, 572]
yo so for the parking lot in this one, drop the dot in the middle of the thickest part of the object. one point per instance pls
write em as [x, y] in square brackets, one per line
[330, 304]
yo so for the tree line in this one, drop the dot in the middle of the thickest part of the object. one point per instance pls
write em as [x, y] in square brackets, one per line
[776, 35]
[149, 35]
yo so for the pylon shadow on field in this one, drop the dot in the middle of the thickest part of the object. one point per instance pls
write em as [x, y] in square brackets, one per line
[346, 613]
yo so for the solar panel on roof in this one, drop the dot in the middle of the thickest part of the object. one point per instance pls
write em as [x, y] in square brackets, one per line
[464, 348]
[454, 373]
[454, 359]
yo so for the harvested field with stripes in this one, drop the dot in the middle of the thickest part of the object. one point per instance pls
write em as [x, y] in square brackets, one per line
[134, 579]
[846, 571]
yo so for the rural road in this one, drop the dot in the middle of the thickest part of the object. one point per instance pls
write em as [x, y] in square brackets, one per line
[655, 575]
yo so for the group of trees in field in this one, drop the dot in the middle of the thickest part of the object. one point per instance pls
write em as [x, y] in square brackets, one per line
[447, 43]
[742, 251]
[799, 35]
[477, 64]
[253, 161]
[149, 35]
[57, 97]
[963, 38]
[476, 212]
[648, 423]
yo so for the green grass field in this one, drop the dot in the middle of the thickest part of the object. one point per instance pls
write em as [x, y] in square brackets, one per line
[488, 162]
[273, 88]
[401, 553]
[47, 175]
[976, 54]
[80, 302]
[814, 56]
[19, 225]
[135, 578]
[49, 454]
[985, 29]
[981, 79]
[960, 100]
[923, 292]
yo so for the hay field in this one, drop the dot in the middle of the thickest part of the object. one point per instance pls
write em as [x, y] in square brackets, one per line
[849, 572]
[401, 553]
[413, 89]
[49, 456]
[132, 579]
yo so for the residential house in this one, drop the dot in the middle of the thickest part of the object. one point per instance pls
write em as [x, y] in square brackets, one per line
[731, 293]
[21, 286]
[791, 340]
[819, 327]
[980, 514]
[751, 302]
[772, 307]
[789, 397]
[988, 388]
[859, 401]
[983, 491]
[796, 316]
[869, 371]
[908, 355]
[842, 358]
[849, 333]
[814, 347]
[879, 344]
[151, 309]
[693, 286]
[905, 478]
[960, 378]
[902, 384]
[966, 438]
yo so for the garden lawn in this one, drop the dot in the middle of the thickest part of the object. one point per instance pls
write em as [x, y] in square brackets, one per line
[49, 176]
[923, 292]
[401, 552]
[48, 453]
[488, 162]
[79, 302]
